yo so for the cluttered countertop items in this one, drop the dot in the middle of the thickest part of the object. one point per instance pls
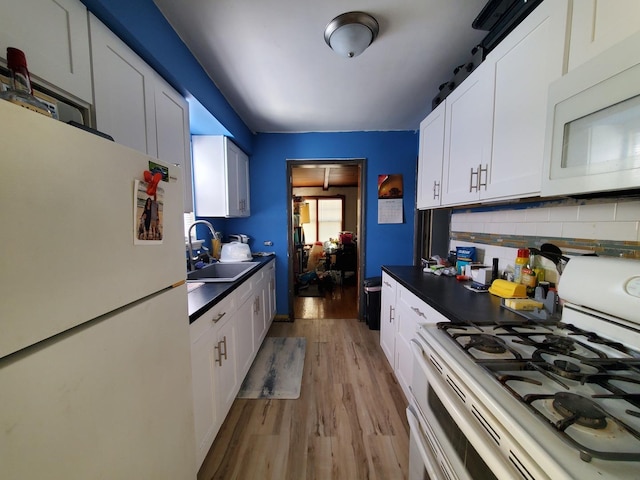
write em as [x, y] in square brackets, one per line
[452, 285]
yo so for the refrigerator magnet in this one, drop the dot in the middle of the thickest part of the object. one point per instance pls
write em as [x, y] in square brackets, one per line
[147, 214]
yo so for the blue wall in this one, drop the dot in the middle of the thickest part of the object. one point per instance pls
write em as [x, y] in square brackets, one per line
[384, 152]
[141, 25]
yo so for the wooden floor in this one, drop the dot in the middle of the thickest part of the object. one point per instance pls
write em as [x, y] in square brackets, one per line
[342, 302]
[349, 422]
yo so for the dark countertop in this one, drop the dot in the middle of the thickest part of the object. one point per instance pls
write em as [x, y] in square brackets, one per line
[449, 296]
[203, 298]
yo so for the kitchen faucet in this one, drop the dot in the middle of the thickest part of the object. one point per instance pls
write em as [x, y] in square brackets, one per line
[213, 236]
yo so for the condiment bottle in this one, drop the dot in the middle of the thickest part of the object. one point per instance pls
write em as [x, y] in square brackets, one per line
[522, 260]
[21, 92]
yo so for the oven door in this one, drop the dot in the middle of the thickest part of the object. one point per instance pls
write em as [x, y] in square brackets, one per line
[423, 464]
[448, 454]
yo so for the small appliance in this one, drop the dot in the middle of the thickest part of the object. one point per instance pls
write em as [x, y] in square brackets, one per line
[235, 252]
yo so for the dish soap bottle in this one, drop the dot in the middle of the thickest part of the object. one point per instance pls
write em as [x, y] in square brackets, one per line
[522, 260]
[21, 92]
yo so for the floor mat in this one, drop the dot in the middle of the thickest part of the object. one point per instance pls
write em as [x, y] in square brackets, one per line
[277, 369]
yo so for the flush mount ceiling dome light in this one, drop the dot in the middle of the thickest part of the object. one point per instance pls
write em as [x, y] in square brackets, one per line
[351, 33]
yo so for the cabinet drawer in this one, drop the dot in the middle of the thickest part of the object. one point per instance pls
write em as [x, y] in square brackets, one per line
[220, 312]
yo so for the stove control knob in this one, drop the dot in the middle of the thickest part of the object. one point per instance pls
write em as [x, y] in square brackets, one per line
[633, 287]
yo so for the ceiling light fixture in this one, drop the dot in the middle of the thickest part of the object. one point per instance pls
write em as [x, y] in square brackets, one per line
[351, 33]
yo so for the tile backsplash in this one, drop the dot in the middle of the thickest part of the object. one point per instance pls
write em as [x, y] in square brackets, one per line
[607, 227]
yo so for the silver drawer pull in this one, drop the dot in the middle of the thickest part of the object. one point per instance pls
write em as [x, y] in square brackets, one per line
[387, 283]
[220, 315]
[418, 312]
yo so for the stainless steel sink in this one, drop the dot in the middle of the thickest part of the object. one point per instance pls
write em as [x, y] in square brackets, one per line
[220, 272]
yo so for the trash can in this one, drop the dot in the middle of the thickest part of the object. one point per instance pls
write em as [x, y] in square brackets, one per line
[372, 294]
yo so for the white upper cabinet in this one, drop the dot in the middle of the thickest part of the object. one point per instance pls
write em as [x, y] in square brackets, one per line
[55, 39]
[136, 106]
[123, 88]
[494, 123]
[525, 63]
[467, 137]
[220, 177]
[430, 158]
[173, 136]
[599, 24]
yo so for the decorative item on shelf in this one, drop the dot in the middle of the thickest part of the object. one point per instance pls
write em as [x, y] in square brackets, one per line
[21, 91]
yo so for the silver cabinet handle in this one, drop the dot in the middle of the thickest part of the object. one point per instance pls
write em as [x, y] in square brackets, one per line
[418, 312]
[218, 317]
[387, 283]
[486, 176]
[219, 359]
[224, 342]
[392, 312]
[436, 190]
[471, 186]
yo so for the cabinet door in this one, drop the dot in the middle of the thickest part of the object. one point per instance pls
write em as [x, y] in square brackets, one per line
[244, 347]
[124, 96]
[226, 381]
[54, 36]
[206, 367]
[238, 181]
[387, 318]
[597, 25]
[206, 415]
[525, 63]
[468, 132]
[270, 306]
[173, 138]
[430, 158]
[410, 312]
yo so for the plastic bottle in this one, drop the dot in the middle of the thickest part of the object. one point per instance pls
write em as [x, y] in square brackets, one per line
[522, 260]
[21, 92]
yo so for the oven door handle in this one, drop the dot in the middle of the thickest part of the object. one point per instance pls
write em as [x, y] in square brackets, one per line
[428, 459]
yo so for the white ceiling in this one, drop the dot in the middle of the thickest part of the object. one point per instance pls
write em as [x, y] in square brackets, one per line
[269, 59]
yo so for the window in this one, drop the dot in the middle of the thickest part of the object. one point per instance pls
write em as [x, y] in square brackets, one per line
[326, 215]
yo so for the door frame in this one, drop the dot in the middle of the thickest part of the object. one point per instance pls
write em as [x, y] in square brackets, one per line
[360, 214]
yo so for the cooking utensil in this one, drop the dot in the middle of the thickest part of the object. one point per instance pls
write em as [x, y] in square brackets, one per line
[553, 253]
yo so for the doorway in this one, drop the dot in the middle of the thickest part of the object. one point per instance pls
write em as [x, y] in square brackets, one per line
[325, 278]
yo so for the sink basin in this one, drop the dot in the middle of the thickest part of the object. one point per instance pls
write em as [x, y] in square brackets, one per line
[220, 272]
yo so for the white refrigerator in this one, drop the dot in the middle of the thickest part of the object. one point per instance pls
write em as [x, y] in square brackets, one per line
[95, 376]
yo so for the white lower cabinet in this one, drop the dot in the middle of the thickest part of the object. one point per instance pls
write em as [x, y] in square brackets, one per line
[224, 343]
[401, 313]
[211, 371]
[410, 312]
[387, 318]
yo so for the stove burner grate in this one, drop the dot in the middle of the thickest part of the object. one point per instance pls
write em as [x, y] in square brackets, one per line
[579, 410]
[486, 343]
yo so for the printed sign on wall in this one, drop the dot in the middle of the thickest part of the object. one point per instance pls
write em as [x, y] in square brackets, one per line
[390, 199]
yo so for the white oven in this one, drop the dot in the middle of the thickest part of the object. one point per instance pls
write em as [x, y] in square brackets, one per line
[537, 398]
[593, 125]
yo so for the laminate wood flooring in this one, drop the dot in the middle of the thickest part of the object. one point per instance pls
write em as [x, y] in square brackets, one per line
[349, 422]
[342, 302]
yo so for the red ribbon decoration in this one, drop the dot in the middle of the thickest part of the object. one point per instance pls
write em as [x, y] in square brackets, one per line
[152, 179]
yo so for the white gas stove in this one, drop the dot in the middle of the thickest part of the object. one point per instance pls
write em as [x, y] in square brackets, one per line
[537, 399]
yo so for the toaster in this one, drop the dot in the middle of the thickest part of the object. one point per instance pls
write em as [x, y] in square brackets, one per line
[239, 238]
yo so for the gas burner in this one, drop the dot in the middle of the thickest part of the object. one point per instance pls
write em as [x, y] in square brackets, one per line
[578, 410]
[564, 365]
[486, 343]
[558, 343]
[566, 368]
